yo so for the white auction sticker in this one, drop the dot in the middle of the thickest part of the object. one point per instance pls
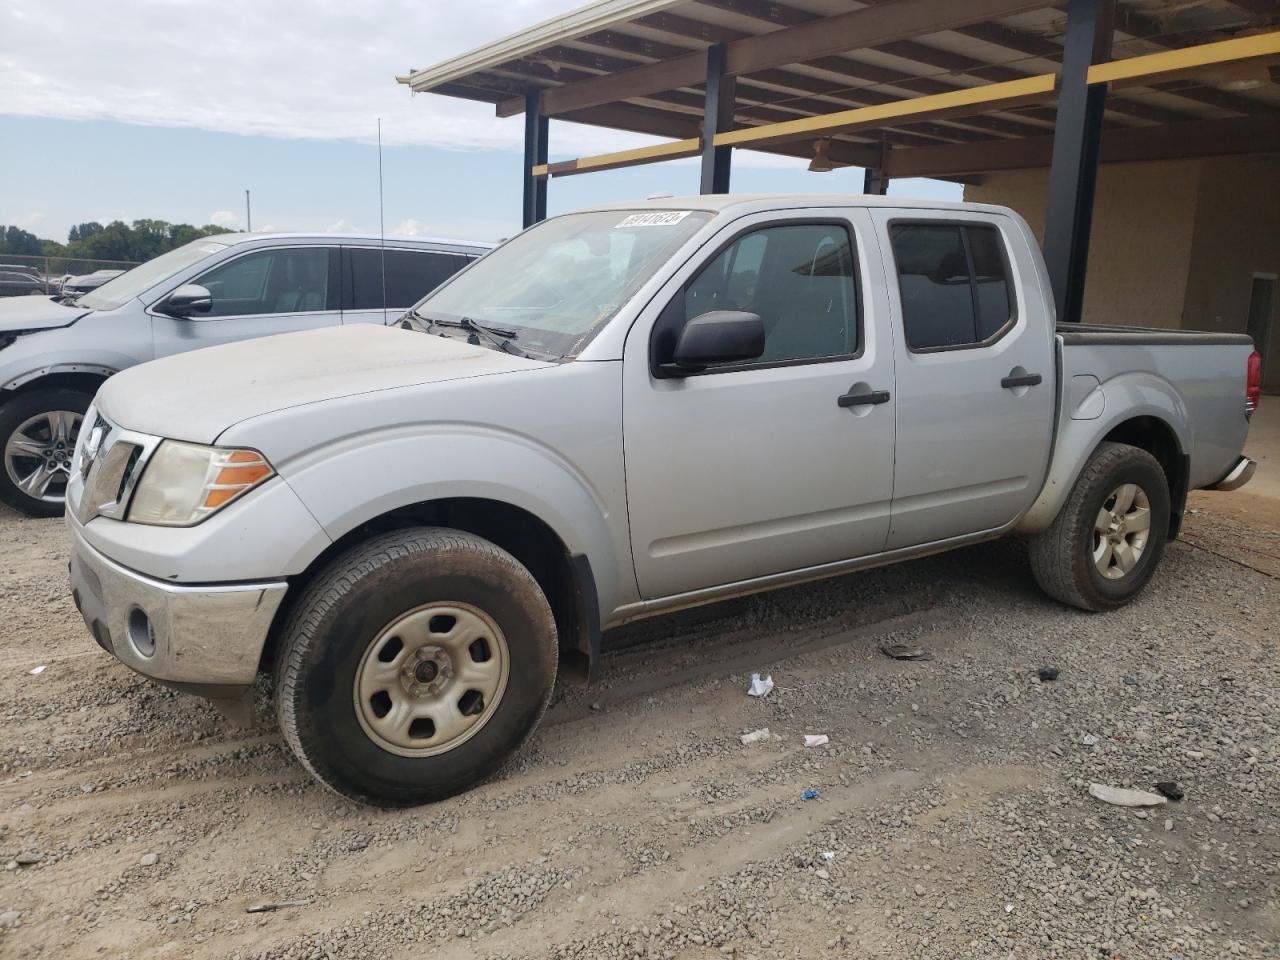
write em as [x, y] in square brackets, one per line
[659, 218]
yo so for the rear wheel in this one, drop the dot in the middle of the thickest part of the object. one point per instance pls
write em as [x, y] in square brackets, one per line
[1110, 534]
[38, 433]
[415, 666]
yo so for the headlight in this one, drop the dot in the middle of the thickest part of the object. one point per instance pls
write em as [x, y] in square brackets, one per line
[185, 482]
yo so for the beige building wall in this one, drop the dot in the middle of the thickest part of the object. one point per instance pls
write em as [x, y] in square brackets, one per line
[1174, 243]
[1142, 239]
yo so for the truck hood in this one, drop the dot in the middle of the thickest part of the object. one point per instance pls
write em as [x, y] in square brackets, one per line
[36, 313]
[196, 396]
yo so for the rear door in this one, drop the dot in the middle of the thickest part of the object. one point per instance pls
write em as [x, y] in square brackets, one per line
[256, 294]
[975, 373]
[380, 284]
[760, 468]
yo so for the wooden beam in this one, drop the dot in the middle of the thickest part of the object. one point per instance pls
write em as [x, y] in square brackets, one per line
[885, 22]
[621, 158]
[992, 96]
[1201, 138]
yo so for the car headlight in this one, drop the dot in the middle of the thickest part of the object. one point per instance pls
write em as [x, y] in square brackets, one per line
[183, 483]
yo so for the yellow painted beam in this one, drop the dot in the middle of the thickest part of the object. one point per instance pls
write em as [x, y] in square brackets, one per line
[1187, 60]
[621, 158]
[992, 95]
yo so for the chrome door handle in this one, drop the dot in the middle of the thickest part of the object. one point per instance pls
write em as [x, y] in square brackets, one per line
[1026, 380]
[862, 399]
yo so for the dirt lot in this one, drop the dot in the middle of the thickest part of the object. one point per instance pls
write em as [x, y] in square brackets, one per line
[952, 817]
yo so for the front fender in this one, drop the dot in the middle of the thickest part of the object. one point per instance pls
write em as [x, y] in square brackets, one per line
[368, 476]
[1125, 397]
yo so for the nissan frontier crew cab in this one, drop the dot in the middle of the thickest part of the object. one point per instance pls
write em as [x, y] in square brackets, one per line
[617, 413]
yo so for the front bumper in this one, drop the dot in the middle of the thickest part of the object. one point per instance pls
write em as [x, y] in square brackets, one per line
[1239, 475]
[207, 639]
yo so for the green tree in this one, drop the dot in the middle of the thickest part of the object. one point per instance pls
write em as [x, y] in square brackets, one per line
[18, 241]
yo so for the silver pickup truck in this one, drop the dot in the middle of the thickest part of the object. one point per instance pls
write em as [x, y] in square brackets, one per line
[621, 412]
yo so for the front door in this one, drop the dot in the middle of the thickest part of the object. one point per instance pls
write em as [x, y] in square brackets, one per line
[760, 468]
[975, 368]
[257, 294]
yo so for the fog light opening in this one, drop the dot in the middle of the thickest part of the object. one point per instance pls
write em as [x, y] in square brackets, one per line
[141, 634]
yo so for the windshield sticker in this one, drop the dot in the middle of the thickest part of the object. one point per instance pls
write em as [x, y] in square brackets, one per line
[659, 218]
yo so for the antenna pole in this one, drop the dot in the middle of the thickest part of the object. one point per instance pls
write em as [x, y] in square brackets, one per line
[382, 226]
[248, 217]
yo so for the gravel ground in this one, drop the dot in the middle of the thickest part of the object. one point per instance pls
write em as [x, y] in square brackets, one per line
[952, 817]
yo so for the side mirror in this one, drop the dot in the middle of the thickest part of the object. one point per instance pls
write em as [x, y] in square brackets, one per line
[720, 336]
[188, 299]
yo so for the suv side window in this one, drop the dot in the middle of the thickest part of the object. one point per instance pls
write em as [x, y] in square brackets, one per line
[288, 280]
[953, 280]
[799, 278]
[411, 275]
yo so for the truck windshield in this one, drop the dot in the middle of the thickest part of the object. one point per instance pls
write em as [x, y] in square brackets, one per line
[133, 283]
[555, 285]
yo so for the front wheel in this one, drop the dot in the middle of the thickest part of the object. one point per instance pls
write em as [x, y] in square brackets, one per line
[38, 433]
[1109, 536]
[414, 666]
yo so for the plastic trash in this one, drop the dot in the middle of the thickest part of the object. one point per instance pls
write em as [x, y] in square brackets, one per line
[809, 795]
[902, 651]
[755, 736]
[38, 670]
[1120, 797]
[760, 687]
[816, 740]
[1089, 740]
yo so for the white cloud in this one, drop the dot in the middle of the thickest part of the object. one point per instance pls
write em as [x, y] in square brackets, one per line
[326, 73]
[224, 218]
[342, 226]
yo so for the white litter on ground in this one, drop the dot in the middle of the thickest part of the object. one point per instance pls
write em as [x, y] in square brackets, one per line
[755, 736]
[1120, 797]
[816, 740]
[759, 687]
[38, 670]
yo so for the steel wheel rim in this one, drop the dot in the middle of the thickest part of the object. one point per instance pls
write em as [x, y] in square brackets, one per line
[37, 455]
[1121, 531]
[431, 679]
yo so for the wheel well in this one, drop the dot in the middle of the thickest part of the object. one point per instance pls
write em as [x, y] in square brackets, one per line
[519, 532]
[82, 382]
[1158, 439]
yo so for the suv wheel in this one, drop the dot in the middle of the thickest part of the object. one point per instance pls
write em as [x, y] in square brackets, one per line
[38, 433]
[414, 666]
[1110, 534]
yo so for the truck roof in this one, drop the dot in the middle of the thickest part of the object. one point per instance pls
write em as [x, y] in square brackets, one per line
[759, 202]
[234, 238]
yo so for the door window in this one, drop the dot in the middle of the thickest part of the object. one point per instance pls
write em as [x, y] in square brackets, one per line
[410, 276]
[294, 280]
[798, 278]
[953, 280]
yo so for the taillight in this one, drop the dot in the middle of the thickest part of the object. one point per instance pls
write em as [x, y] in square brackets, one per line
[1253, 383]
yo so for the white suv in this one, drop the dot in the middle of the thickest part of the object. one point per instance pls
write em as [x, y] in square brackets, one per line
[54, 354]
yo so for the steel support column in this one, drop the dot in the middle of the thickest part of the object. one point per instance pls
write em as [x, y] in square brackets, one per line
[535, 152]
[1073, 173]
[717, 117]
[874, 181]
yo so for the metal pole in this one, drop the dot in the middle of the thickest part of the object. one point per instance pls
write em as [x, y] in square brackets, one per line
[1073, 175]
[535, 152]
[874, 182]
[717, 117]
[248, 217]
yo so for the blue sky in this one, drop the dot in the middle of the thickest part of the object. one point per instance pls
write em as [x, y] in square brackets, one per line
[114, 120]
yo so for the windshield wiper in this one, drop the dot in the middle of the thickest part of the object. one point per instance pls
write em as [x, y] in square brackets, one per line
[504, 339]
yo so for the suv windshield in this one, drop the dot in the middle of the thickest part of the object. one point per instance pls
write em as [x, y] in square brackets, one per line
[132, 283]
[555, 285]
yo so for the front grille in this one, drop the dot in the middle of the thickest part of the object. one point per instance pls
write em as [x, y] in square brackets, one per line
[110, 461]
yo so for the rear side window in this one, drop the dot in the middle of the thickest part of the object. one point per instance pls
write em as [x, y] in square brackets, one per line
[954, 283]
[410, 276]
[798, 278]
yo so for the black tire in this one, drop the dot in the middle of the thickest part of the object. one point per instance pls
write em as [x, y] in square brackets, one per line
[348, 606]
[1062, 556]
[13, 415]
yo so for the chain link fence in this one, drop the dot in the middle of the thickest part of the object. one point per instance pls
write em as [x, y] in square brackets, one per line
[22, 274]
